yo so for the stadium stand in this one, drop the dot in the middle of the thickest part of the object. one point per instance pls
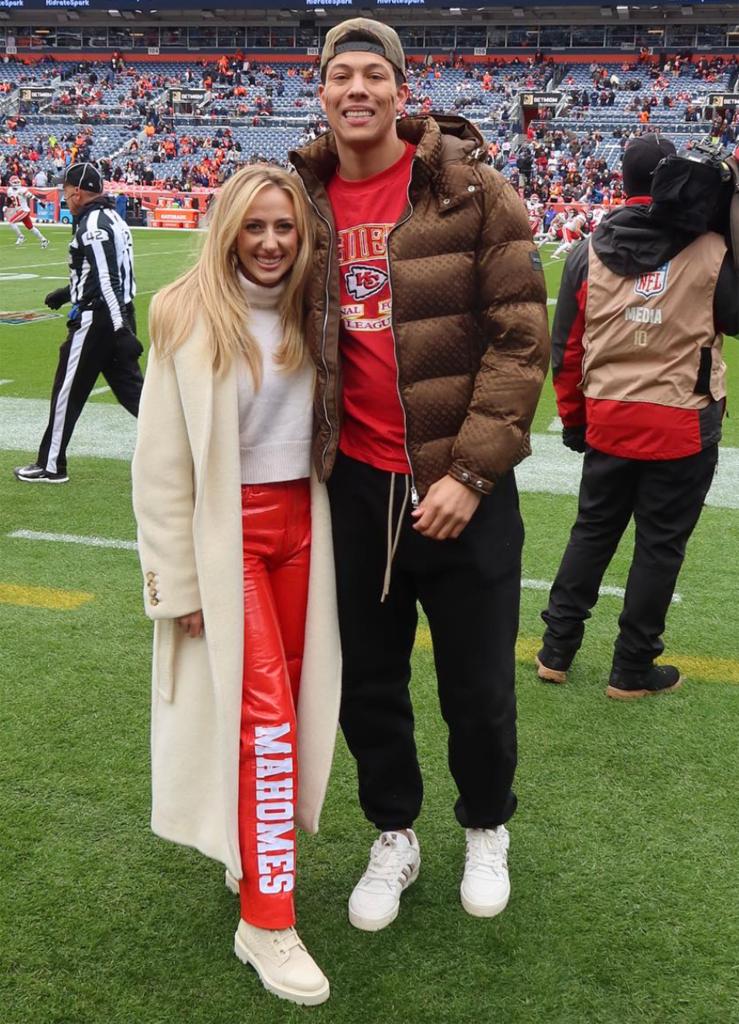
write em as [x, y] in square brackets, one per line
[188, 124]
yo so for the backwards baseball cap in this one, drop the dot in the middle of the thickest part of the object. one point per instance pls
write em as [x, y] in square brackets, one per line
[365, 35]
[85, 176]
[640, 160]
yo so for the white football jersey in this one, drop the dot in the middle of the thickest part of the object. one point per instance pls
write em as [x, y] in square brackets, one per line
[19, 197]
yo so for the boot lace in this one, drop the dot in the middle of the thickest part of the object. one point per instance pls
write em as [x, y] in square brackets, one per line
[285, 939]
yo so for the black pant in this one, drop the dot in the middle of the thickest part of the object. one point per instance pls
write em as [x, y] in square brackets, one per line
[666, 499]
[91, 348]
[470, 591]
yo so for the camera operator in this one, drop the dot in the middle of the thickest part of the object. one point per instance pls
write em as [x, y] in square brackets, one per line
[101, 324]
[640, 383]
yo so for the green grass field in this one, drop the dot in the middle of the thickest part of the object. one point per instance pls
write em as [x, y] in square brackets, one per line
[624, 860]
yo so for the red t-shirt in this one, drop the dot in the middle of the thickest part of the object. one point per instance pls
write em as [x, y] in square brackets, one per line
[373, 425]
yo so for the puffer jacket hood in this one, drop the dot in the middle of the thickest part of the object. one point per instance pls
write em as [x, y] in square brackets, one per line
[445, 139]
[629, 242]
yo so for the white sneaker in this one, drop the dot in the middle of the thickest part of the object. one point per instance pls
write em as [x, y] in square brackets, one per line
[20, 240]
[284, 965]
[44, 243]
[232, 883]
[485, 885]
[393, 866]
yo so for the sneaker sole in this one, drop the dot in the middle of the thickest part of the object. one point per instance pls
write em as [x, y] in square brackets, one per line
[550, 675]
[376, 924]
[616, 694]
[282, 992]
[231, 883]
[40, 479]
[484, 910]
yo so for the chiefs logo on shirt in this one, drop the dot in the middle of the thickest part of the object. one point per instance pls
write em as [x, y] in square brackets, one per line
[365, 276]
[363, 282]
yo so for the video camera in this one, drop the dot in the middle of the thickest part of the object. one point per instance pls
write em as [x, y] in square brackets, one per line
[693, 191]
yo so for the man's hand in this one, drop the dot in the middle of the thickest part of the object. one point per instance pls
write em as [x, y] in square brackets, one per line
[192, 624]
[446, 509]
[127, 341]
[56, 299]
[574, 438]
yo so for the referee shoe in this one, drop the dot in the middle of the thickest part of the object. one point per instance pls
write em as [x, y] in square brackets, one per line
[35, 474]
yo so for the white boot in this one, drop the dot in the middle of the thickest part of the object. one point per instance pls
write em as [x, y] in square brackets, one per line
[284, 965]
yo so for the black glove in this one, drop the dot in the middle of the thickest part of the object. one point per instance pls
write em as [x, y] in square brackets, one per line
[56, 299]
[574, 438]
[127, 342]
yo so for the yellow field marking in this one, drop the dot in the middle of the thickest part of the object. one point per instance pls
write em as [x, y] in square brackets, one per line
[692, 667]
[43, 597]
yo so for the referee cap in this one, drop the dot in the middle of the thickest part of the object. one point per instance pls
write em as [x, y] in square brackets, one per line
[85, 176]
[364, 34]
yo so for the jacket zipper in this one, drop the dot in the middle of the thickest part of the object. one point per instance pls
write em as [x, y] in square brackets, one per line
[414, 493]
[323, 335]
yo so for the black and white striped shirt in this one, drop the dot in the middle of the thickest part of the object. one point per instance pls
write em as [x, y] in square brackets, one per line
[101, 262]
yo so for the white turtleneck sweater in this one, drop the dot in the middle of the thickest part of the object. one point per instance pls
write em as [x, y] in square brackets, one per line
[275, 422]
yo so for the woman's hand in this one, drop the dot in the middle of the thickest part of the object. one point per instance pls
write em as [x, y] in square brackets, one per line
[192, 624]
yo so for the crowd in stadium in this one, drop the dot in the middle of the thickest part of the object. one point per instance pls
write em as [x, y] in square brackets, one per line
[560, 158]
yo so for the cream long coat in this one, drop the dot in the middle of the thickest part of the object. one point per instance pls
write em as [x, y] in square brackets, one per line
[187, 500]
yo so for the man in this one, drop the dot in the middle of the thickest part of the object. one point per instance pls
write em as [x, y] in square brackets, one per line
[101, 325]
[18, 211]
[428, 328]
[572, 229]
[640, 389]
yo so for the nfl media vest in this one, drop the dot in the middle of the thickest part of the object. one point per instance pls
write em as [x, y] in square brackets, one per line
[651, 339]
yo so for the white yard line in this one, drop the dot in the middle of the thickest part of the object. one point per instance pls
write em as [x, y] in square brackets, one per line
[100, 391]
[5, 382]
[107, 431]
[137, 256]
[131, 545]
[71, 538]
[605, 591]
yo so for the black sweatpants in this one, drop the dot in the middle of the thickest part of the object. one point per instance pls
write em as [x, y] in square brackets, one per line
[469, 589]
[665, 498]
[91, 348]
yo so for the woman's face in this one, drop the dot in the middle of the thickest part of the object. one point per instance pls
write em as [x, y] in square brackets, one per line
[267, 244]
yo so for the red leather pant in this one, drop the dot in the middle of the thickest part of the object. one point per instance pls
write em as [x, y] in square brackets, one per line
[276, 532]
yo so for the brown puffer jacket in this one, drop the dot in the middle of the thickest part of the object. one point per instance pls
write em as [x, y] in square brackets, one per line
[469, 309]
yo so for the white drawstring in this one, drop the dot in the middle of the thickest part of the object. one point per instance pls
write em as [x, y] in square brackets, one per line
[392, 543]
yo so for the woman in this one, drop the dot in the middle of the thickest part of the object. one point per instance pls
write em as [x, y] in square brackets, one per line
[235, 545]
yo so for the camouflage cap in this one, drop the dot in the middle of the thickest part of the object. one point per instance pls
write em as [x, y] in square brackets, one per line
[363, 34]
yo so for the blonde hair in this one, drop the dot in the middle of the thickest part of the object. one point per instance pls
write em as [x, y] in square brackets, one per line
[211, 288]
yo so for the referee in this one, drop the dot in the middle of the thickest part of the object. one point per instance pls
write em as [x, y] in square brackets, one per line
[101, 326]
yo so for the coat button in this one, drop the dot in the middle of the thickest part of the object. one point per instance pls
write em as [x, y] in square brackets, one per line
[465, 477]
[470, 188]
[150, 576]
[478, 483]
[154, 600]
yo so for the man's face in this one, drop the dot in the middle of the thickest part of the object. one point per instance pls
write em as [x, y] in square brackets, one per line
[362, 99]
[73, 199]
